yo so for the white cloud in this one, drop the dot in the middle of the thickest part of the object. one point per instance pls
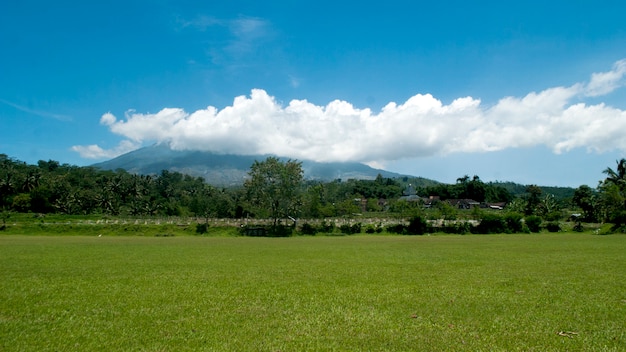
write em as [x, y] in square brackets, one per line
[421, 126]
[606, 82]
[94, 151]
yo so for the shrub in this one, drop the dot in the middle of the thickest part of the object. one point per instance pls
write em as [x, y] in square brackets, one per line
[254, 231]
[462, 228]
[397, 228]
[619, 221]
[267, 231]
[350, 229]
[308, 229]
[280, 231]
[326, 227]
[554, 216]
[578, 227]
[534, 223]
[202, 228]
[553, 226]
[491, 223]
[417, 226]
[514, 222]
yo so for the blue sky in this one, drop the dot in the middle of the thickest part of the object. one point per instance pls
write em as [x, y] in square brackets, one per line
[530, 92]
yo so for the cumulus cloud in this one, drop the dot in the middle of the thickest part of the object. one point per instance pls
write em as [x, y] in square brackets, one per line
[421, 126]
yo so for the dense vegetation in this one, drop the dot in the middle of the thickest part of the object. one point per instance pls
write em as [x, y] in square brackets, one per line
[50, 187]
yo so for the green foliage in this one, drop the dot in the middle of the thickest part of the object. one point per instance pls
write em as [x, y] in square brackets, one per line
[588, 201]
[417, 226]
[534, 223]
[21, 202]
[273, 188]
[202, 228]
[49, 187]
[553, 226]
[308, 229]
[372, 229]
[266, 230]
[466, 188]
[348, 207]
[514, 222]
[350, 229]
[491, 223]
[399, 229]
[533, 199]
[4, 216]
[446, 211]
[326, 227]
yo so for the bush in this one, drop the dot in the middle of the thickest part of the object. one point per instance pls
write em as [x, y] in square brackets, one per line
[308, 229]
[514, 222]
[280, 231]
[553, 226]
[491, 223]
[397, 228]
[619, 220]
[326, 227]
[462, 228]
[350, 229]
[578, 227]
[266, 231]
[534, 223]
[554, 216]
[202, 228]
[417, 226]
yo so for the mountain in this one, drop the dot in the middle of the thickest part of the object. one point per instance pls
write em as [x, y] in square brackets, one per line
[228, 169]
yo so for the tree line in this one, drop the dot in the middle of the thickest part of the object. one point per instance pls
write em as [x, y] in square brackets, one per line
[277, 189]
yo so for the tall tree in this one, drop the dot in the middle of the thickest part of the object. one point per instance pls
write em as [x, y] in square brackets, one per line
[533, 199]
[613, 191]
[617, 177]
[274, 188]
[586, 199]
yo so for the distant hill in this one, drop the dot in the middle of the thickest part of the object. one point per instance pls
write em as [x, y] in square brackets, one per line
[231, 170]
[518, 190]
[227, 169]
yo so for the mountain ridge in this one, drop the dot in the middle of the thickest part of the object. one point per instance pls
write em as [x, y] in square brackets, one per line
[229, 169]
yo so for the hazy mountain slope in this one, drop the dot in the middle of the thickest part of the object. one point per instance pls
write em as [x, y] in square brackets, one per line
[224, 169]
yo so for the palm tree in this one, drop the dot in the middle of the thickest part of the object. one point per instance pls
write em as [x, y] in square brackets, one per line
[616, 200]
[617, 178]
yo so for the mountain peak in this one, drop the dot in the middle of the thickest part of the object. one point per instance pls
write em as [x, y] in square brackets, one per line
[228, 169]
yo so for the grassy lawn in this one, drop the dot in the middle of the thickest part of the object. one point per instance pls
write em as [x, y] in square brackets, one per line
[352, 293]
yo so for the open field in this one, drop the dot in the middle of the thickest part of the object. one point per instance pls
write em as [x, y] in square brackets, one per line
[546, 292]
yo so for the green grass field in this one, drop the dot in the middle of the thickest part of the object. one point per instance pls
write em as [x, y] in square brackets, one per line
[546, 292]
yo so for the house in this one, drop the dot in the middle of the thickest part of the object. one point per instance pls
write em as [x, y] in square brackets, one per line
[463, 203]
[496, 206]
[410, 195]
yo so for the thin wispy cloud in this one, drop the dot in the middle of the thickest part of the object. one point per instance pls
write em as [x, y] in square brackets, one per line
[606, 82]
[419, 127]
[40, 113]
[244, 37]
